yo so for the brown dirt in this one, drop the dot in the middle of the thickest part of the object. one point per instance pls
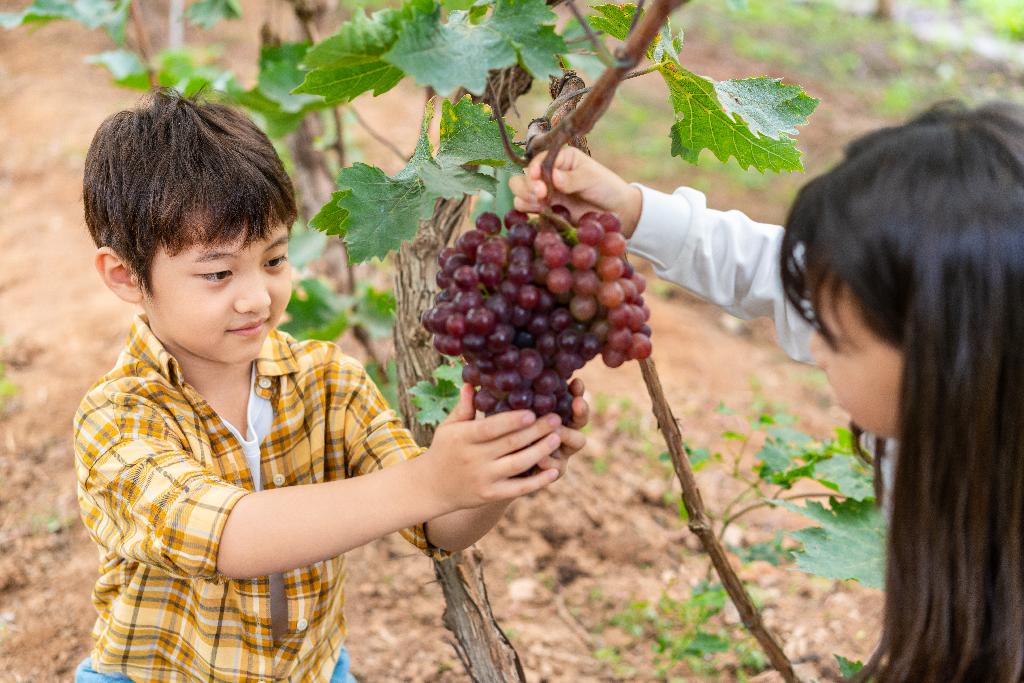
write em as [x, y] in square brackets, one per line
[559, 567]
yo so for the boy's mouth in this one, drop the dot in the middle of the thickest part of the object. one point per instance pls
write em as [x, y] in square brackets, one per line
[249, 329]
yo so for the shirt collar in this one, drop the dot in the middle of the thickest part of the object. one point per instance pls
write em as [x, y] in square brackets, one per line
[275, 358]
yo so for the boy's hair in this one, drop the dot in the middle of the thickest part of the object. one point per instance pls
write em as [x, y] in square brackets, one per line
[924, 225]
[176, 172]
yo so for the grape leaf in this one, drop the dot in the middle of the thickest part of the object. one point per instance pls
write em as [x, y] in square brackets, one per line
[315, 312]
[768, 107]
[125, 66]
[206, 13]
[383, 212]
[331, 217]
[847, 475]
[848, 667]
[280, 74]
[469, 135]
[749, 119]
[435, 400]
[460, 53]
[106, 14]
[703, 124]
[849, 544]
[348, 63]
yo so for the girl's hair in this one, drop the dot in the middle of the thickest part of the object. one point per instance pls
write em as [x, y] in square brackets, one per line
[924, 224]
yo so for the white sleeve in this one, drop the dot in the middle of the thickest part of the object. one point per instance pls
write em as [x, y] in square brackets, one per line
[723, 257]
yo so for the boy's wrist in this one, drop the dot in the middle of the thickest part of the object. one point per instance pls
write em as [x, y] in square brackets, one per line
[429, 485]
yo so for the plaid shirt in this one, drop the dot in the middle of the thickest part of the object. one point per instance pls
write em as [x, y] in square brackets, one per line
[158, 475]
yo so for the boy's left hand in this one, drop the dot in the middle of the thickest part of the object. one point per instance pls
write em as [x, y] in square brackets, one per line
[572, 438]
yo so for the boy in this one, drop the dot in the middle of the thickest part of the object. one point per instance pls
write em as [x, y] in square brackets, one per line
[223, 467]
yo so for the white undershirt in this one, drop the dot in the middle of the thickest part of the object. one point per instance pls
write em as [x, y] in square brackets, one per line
[259, 418]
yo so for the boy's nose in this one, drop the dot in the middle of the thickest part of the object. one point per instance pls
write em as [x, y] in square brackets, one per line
[253, 301]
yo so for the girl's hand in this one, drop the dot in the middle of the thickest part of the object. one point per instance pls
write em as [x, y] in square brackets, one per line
[580, 184]
[572, 438]
[475, 462]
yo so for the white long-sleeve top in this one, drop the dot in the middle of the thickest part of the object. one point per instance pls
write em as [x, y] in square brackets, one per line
[724, 257]
[730, 260]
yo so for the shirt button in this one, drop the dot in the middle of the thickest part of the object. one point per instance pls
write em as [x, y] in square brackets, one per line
[264, 382]
[302, 624]
[278, 480]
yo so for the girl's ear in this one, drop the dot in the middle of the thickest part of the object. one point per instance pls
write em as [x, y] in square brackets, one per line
[117, 276]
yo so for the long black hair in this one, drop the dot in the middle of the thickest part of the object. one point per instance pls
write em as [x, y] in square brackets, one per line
[923, 224]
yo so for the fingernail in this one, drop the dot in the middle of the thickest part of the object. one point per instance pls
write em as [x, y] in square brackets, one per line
[554, 420]
[554, 439]
[528, 418]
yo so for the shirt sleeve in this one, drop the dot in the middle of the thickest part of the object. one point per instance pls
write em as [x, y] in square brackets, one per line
[375, 438]
[142, 494]
[723, 257]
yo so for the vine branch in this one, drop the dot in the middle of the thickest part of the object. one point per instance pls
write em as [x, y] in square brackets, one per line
[572, 126]
[142, 37]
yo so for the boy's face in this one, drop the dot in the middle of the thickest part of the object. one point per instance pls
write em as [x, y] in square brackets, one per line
[213, 306]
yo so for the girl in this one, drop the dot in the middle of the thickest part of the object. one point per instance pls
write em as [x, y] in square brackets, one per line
[901, 271]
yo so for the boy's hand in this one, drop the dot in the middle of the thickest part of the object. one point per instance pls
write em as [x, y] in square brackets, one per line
[572, 438]
[580, 184]
[476, 462]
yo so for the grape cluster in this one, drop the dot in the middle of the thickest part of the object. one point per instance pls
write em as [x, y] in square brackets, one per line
[529, 306]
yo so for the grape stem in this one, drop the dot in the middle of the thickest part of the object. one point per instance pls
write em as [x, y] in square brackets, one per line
[568, 97]
[596, 102]
[600, 49]
[513, 155]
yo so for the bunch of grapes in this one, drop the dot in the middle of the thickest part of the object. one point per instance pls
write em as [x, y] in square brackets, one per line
[529, 306]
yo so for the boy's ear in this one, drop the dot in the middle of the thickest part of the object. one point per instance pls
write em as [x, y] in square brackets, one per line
[117, 276]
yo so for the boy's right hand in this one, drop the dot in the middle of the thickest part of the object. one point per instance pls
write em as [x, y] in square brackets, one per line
[580, 184]
[476, 462]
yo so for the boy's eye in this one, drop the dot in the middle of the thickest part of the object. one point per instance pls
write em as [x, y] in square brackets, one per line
[216, 277]
[274, 262]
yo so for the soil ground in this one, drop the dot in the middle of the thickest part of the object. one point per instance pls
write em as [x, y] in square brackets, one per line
[563, 568]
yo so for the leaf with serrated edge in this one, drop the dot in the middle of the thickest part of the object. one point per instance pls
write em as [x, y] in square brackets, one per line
[434, 401]
[767, 106]
[703, 124]
[348, 63]
[849, 544]
[383, 212]
[469, 135]
[331, 217]
[460, 53]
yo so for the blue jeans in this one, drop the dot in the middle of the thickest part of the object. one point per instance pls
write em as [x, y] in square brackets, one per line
[85, 674]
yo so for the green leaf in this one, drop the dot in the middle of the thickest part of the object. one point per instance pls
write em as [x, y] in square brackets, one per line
[107, 14]
[847, 475]
[315, 312]
[435, 401]
[188, 72]
[703, 124]
[614, 20]
[280, 74]
[470, 135]
[374, 310]
[849, 544]
[382, 212]
[206, 13]
[331, 217]
[348, 63]
[848, 667]
[453, 183]
[125, 66]
[768, 107]
[387, 382]
[460, 53]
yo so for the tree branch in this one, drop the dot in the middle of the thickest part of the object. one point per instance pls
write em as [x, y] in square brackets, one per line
[142, 37]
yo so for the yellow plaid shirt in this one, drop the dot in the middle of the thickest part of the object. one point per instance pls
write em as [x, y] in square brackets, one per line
[158, 475]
